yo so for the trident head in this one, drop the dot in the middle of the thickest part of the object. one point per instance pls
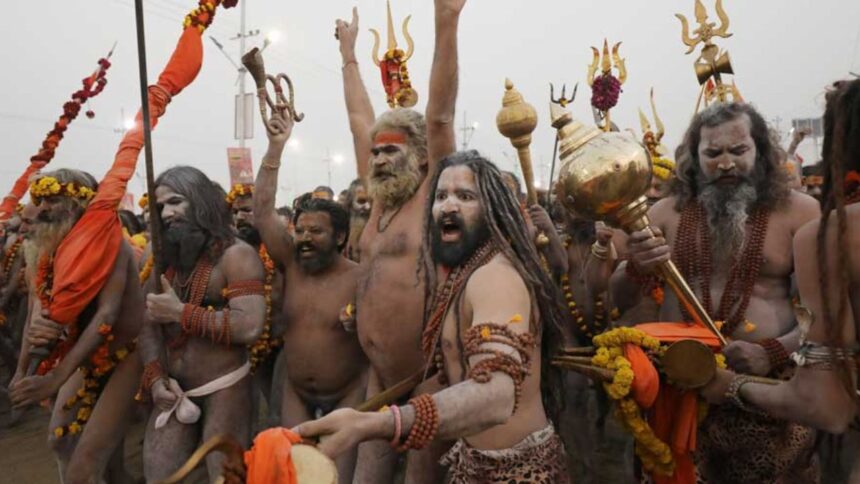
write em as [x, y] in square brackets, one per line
[392, 40]
[607, 62]
[706, 30]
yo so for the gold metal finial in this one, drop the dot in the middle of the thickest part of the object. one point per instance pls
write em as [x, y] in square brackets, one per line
[395, 76]
[650, 138]
[712, 63]
[563, 100]
[517, 121]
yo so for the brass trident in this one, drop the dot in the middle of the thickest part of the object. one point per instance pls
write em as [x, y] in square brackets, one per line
[606, 71]
[392, 40]
[712, 63]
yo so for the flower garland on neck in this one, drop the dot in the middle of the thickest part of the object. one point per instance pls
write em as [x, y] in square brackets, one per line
[95, 377]
[43, 283]
[264, 346]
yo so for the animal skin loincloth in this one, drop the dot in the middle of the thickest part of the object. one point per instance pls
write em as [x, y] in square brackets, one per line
[537, 459]
[739, 447]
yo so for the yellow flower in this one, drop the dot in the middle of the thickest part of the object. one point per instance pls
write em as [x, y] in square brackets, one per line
[84, 413]
[58, 432]
[75, 428]
[749, 327]
[517, 318]
[485, 332]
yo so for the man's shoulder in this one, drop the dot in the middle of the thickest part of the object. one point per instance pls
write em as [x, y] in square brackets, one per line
[239, 249]
[798, 209]
[496, 274]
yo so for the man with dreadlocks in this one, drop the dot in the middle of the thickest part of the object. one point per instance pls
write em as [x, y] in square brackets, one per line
[395, 153]
[492, 323]
[322, 366]
[93, 406]
[729, 227]
[195, 334]
[822, 392]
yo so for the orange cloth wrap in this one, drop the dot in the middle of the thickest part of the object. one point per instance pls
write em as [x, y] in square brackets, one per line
[270, 461]
[80, 271]
[22, 184]
[674, 415]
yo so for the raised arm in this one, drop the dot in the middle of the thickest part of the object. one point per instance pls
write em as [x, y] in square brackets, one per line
[442, 98]
[273, 230]
[358, 106]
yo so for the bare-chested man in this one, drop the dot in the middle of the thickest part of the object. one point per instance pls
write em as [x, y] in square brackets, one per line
[729, 227]
[263, 352]
[92, 407]
[822, 392]
[493, 321]
[394, 154]
[13, 289]
[195, 335]
[321, 366]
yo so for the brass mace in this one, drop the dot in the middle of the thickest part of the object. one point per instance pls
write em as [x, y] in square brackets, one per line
[517, 121]
[604, 176]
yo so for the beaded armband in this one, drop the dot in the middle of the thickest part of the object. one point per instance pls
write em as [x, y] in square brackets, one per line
[518, 369]
[244, 288]
[152, 372]
[733, 394]
[425, 425]
[202, 322]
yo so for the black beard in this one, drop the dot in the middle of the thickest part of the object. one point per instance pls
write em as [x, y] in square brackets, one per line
[454, 254]
[183, 244]
[249, 234]
[321, 261]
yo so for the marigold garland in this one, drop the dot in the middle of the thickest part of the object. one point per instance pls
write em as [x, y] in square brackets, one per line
[147, 269]
[11, 255]
[655, 455]
[95, 376]
[202, 16]
[144, 201]
[264, 346]
[47, 186]
[239, 190]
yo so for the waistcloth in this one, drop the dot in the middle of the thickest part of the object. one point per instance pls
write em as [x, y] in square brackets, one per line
[187, 412]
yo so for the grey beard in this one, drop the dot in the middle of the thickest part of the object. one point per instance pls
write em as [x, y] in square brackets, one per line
[727, 210]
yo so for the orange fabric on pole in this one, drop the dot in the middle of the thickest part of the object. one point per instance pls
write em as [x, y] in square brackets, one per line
[674, 415]
[270, 459]
[22, 184]
[646, 380]
[80, 271]
[672, 332]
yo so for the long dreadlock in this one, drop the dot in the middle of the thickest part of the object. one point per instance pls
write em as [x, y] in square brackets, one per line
[507, 227]
[841, 154]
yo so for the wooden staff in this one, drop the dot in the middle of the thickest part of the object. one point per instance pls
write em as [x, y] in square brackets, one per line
[154, 214]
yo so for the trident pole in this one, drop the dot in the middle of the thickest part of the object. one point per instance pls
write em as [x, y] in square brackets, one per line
[154, 214]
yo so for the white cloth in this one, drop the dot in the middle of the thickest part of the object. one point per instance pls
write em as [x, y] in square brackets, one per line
[186, 411]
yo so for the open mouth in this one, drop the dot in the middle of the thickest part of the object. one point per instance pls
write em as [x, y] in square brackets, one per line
[450, 230]
[307, 251]
[727, 180]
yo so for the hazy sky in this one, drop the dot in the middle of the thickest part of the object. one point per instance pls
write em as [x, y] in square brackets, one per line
[784, 53]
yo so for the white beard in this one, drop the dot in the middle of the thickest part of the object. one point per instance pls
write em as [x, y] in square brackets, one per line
[727, 210]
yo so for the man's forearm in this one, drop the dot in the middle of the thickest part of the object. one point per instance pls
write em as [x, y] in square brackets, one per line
[442, 98]
[464, 409]
[791, 340]
[150, 342]
[266, 186]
